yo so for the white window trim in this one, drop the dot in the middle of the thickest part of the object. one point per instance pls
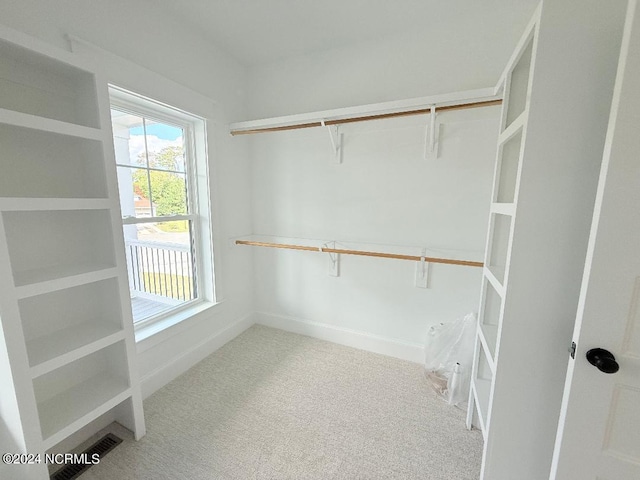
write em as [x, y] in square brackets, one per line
[199, 197]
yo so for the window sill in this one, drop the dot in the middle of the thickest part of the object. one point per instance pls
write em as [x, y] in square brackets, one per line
[157, 331]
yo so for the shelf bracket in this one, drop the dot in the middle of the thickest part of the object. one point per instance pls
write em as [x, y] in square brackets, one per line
[336, 141]
[432, 136]
[334, 266]
[422, 271]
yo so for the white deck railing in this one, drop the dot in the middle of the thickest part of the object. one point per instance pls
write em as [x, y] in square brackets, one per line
[162, 269]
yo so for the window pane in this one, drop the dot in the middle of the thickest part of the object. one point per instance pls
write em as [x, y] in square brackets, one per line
[135, 200]
[160, 263]
[165, 145]
[168, 192]
[152, 178]
[130, 148]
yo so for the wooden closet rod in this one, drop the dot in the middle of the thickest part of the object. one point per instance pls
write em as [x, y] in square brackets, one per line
[340, 121]
[397, 256]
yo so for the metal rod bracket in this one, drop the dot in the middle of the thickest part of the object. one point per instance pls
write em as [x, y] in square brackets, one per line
[334, 266]
[432, 136]
[422, 272]
[336, 141]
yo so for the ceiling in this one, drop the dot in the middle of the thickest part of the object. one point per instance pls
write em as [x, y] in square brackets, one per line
[263, 31]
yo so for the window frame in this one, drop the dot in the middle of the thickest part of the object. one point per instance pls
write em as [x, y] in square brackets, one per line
[198, 200]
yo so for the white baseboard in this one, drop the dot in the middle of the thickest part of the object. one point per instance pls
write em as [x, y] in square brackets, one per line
[352, 338]
[161, 376]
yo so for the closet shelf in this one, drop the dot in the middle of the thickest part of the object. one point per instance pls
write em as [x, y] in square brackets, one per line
[513, 128]
[60, 278]
[27, 204]
[74, 408]
[415, 254]
[485, 97]
[497, 285]
[34, 122]
[489, 338]
[503, 208]
[65, 346]
[482, 391]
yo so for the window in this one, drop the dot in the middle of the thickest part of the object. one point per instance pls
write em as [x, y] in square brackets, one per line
[157, 179]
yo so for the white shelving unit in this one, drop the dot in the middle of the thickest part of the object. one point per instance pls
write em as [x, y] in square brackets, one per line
[66, 337]
[550, 144]
[501, 222]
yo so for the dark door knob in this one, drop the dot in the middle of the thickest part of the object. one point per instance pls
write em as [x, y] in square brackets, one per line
[603, 360]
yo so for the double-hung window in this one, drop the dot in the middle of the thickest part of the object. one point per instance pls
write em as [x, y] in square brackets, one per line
[155, 157]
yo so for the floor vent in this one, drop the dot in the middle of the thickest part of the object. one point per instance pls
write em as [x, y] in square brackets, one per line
[101, 448]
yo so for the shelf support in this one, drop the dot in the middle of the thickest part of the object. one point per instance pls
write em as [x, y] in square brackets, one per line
[422, 271]
[334, 266]
[336, 140]
[432, 136]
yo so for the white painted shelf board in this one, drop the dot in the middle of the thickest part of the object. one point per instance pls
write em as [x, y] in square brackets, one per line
[498, 274]
[64, 346]
[481, 420]
[504, 208]
[482, 388]
[514, 128]
[78, 419]
[41, 204]
[26, 41]
[489, 339]
[479, 95]
[489, 275]
[72, 404]
[35, 122]
[40, 275]
[71, 277]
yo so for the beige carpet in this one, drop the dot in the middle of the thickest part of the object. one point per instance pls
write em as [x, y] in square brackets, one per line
[275, 405]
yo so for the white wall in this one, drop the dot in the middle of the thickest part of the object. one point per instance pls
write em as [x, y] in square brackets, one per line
[459, 54]
[384, 192]
[143, 34]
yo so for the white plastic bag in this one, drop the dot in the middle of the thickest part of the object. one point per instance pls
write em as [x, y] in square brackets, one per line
[448, 358]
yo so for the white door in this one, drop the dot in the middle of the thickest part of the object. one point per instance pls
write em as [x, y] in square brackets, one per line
[599, 430]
